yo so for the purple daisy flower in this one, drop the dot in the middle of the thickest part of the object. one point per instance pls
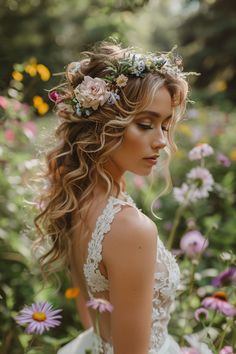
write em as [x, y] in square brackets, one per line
[193, 243]
[223, 160]
[100, 304]
[218, 301]
[38, 317]
[226, 277]
[201, 313]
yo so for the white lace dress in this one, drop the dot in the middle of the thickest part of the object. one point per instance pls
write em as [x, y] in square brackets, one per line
[167, 276]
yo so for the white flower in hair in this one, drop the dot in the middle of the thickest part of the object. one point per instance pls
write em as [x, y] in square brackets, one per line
[121, 80]
[92, 92]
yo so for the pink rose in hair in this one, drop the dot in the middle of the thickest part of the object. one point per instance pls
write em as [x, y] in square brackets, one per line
[92, 93]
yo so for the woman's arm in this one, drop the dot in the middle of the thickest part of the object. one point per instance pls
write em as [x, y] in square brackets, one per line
[129, 254]
[81, 302]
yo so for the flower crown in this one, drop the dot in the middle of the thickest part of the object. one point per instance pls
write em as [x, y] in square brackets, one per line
[92, 93]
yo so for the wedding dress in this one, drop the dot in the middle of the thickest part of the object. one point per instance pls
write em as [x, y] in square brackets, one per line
[167, 277]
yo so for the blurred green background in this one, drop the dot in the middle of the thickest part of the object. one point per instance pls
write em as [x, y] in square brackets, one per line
[38, 39]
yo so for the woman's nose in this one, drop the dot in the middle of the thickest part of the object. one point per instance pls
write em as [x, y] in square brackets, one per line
[159, 141]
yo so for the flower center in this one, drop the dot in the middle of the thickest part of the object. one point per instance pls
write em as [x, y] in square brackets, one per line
[39, 316]
[220, 295]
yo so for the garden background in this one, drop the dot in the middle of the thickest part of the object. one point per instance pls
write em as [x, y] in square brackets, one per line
[38, 38]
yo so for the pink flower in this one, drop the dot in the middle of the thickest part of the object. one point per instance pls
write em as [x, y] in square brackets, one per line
[227, 350]
[223, 160]
[100, 304]
[38, 317]
[200, 151]
[182, 194]
[186, 350]
[218, 301]
[54, 96]
[16, 105]
[201, 181]
[29, 129]
[9, 135]
[201, 313]
[92, 92]
[3, 102]
[193, 243]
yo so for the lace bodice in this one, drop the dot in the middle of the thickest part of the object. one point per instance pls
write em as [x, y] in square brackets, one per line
[167, 276]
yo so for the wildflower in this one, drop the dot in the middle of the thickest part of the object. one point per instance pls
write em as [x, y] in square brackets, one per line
[3, 102]
[226, 277]
[193, 243]
[72, 293]
[43, 72]
[218, 301]
[227, 350]
[121, 80]
[201, 313]
[17, 76]
[37, 101]
[200, 151]
[202, 181]
[182, 194]
[223, 160]
[9, 135]
[30, 130]
[38, 317]
[43, 108]
[100, 304]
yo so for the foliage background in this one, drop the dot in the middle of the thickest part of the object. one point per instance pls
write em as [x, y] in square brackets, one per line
[53, 33]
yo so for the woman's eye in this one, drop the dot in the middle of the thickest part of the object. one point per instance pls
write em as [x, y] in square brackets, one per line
[144, 126]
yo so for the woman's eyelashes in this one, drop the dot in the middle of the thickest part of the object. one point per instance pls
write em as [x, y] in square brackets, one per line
[146, 126]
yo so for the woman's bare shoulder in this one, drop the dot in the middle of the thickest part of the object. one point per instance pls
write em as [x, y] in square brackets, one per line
[131, 229]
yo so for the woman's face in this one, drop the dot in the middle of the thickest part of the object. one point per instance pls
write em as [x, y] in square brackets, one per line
[145, 137]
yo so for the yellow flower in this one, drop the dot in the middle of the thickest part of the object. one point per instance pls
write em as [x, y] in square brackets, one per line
[37, 101]
[43, 108]
[17, 76]
[43, 72]
[232, 154]
[72, 293]
[31, 69]
[220, 86]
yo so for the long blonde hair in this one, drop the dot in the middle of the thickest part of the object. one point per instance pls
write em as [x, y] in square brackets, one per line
[72, 168]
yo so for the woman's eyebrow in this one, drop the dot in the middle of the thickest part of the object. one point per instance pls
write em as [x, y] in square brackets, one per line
[154, 114]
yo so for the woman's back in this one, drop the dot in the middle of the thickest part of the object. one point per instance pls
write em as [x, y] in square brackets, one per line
[108, 224]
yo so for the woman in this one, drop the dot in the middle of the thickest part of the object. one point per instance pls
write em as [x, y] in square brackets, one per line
[118, 111]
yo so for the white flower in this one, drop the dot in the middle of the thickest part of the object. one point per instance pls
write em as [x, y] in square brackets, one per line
[181, 194]
[92, 92]
[200, 151]
[201, 182]
[202, 348]
[121, 80]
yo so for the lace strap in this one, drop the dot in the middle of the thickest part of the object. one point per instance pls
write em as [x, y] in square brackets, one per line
[103, 225]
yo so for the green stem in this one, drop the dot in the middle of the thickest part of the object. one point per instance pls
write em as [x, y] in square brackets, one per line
[221, 339]
[175, 225]
[29, 346]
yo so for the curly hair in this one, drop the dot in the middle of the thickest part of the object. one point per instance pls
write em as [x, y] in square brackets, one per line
[73, 167]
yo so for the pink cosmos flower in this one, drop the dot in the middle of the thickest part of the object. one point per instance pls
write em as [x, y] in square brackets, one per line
[200, 151]
[3, 102]
[193, 243]
[227, 350]
[201, 312]
[100, 304]
[223, 160]
[38, 317]
[218, 301]
[9, 135]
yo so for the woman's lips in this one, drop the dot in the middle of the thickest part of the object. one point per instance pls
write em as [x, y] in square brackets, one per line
[151, 161]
